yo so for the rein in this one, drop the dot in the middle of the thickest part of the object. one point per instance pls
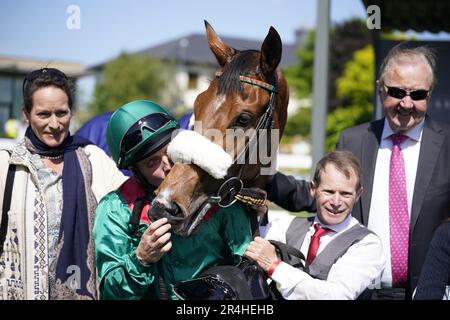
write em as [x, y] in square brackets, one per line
[233, 186]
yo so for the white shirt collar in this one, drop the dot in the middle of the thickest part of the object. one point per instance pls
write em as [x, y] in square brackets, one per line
[335, 227]
[414, 134]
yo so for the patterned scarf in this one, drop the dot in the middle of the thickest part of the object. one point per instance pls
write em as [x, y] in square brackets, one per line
[74, 231]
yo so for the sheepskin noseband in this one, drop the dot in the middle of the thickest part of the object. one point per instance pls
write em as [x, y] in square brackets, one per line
[191, 147]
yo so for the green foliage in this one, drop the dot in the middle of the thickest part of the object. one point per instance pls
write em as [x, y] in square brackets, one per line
[355, 89]
[300, 76]
[126, 78]
[398, 36]
[357, 81]
[346, 38]
[299, 124]
[343, 118]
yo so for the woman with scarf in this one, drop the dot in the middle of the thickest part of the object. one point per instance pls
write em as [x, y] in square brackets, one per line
[55, 183]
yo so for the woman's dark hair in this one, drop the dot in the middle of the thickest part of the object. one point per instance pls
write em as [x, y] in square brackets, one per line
[45, 77]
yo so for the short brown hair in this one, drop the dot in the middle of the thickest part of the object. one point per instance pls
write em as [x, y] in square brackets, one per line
[344, 161]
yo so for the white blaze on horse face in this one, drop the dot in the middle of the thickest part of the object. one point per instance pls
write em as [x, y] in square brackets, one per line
[219, 101]
[164, 197]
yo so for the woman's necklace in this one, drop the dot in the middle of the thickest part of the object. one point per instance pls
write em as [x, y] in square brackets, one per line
[59, 156]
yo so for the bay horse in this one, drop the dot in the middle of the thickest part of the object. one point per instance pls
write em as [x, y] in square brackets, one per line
[249, 94]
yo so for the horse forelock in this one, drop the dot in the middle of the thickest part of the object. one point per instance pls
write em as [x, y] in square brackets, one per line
[243, 63]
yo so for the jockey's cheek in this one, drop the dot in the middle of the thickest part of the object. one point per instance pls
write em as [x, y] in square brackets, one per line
[155, 175]
[160, 173]
[166, 165]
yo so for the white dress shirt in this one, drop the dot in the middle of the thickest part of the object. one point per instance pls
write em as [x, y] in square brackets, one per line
[379, 204]
[360, 267]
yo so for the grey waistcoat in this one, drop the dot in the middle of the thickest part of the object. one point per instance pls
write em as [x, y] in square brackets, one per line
[322, 264]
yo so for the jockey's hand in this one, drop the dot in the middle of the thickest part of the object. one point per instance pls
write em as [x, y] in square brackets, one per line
[155, 242]
[262, 252]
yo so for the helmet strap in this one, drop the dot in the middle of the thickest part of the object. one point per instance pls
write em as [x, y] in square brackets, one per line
[140, 177]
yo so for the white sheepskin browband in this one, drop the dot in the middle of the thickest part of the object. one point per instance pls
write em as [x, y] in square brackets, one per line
[191, 147]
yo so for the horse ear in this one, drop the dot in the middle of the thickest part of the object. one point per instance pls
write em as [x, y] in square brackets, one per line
[222, 52]
[270, 52]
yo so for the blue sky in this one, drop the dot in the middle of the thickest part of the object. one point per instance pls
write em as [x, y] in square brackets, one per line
[37, 29]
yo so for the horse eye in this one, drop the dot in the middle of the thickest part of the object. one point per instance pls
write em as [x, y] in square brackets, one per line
[243, 120]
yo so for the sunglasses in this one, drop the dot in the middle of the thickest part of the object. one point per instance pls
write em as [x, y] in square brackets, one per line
[134, 135]
[33, 75]
[399, 93]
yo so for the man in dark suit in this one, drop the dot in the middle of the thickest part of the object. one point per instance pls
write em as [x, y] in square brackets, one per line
[422, 192]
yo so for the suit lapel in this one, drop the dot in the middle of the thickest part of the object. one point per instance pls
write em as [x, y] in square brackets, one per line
[429, 151]
[370, 144]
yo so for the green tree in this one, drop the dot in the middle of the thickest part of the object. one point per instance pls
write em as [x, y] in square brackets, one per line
[355, 90]
[300, 76]
[299, 124]
[346, 38]
[129, 77]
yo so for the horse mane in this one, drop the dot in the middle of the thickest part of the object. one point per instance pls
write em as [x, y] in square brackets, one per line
[243, 63]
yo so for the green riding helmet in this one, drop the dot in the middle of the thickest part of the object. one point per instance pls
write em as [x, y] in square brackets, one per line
[138, 129]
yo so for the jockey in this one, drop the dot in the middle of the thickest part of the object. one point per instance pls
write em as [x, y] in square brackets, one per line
[142, 259]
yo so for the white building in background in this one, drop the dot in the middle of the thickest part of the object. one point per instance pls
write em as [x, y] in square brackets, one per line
[195, 64]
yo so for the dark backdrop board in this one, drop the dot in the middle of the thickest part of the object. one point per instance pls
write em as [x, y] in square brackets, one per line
[417, 15]
[439, 107]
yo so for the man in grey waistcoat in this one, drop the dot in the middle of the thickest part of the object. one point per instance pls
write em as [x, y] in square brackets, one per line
[343, 258]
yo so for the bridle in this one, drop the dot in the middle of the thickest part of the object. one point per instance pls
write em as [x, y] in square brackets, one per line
[232, 186]
[232, 189]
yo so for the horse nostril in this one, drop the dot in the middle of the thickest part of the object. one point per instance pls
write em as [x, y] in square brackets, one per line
[158, 205]
[175, 210]
[171, 208]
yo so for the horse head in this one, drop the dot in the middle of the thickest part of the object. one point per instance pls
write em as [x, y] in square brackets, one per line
[243, 109]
